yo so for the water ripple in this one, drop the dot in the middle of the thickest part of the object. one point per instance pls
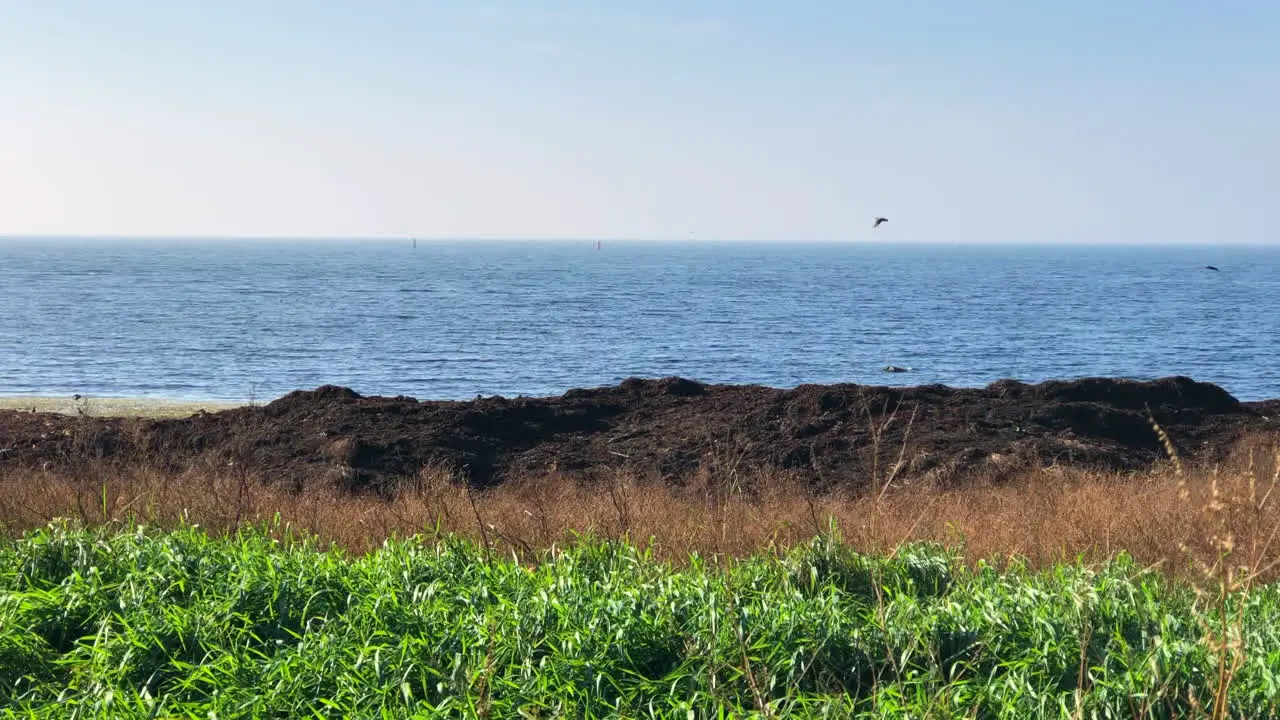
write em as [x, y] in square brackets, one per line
[227, 320]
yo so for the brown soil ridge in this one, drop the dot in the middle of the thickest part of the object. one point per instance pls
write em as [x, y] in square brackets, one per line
[846, 434]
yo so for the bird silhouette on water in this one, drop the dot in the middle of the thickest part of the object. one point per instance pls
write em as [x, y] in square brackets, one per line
[880, 220]
[1210, 267]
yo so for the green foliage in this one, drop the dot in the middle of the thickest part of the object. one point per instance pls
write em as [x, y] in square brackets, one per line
[135, 623]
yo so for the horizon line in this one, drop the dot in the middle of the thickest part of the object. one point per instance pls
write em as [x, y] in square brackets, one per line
[626, 239]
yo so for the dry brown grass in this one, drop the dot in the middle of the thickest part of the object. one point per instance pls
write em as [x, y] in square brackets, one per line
[1048, 515]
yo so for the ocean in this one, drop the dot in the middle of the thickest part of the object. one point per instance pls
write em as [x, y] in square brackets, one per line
[242, 320]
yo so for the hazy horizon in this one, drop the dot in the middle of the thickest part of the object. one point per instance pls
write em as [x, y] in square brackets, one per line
[922, 243]
[1139, 124]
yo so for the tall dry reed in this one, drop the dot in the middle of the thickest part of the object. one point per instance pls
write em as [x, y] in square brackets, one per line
[1167, 516]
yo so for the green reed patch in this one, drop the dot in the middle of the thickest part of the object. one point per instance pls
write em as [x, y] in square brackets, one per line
[132, 622]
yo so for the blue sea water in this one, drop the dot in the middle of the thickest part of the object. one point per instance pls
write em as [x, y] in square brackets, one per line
[239, 320]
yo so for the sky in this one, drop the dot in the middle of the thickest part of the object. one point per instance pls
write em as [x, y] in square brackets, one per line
[1093, 121]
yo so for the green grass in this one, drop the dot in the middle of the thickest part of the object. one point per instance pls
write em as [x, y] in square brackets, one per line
[129, 622]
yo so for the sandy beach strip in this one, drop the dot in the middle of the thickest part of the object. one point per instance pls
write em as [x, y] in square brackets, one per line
[113, 406]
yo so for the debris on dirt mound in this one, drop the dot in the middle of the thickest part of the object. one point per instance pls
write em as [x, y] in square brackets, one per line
[842, 434]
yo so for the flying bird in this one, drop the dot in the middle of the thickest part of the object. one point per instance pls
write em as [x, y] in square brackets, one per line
[1210, 267]
[880, 220]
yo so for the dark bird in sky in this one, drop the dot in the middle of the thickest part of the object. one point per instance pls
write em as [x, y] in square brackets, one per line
[1210, 267]
[880, 220]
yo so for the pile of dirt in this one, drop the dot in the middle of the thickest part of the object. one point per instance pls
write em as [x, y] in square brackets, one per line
[829, 434]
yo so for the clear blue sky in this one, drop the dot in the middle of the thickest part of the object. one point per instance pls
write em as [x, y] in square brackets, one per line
[1088, 121]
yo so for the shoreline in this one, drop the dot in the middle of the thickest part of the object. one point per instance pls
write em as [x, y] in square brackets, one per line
[94, 406]
[159, 406]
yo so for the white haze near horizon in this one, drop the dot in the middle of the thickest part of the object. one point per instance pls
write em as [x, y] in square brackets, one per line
[1132, 122]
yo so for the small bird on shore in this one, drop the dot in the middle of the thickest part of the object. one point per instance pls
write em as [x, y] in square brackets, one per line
[880, 220]
[1210, 267]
